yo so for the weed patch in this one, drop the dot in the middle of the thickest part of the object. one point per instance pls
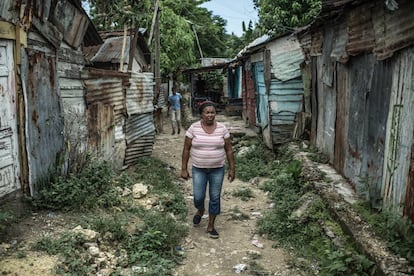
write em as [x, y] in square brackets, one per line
[6, 218]
[148, 237]
[304, 233]
[92, 187]
[243, 193]
[397, 231]
[256, 161]
[155, 174]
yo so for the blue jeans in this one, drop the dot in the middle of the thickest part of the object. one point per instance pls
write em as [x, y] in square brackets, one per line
[214, 177]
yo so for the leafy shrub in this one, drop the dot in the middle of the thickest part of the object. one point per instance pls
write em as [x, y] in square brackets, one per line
[92, 187]
[6, 218]
[305, 234]
[161, 181]
[258, 161]
[153, 247]
[243, 193]
[397, 231]
[75, 258]
[110, 224]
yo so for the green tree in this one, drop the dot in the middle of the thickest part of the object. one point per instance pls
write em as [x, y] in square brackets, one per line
[281, 16]
[180, 22]
[177, 42]
[114, 14]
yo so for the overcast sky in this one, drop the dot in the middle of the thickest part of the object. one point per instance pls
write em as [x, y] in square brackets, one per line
[235, 12]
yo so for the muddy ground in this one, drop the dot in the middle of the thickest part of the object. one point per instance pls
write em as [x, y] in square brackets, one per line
[237, 247]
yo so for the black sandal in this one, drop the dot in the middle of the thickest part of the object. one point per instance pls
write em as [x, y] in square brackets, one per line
[196, 220]
[213, 234]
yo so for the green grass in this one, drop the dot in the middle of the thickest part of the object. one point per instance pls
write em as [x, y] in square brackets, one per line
[397, 231]
[148, 237]
[243, 193]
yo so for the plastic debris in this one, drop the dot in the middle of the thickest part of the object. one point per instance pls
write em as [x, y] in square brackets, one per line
[239, 268]
[179, 250]
[257, 243]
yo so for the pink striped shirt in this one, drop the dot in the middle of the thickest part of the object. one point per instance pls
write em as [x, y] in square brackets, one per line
[207, 150]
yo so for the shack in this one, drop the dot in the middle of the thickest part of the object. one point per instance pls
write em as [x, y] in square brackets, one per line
[360, 59]
[270, 78]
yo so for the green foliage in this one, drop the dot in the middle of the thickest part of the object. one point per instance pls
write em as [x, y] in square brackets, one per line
[257, 161]
[243, 193]
[154, 173]
[179, 40]
[149, 237]
[75, 259]
[304, 234]
[113, 225]
[396, 230]
[369, 192]
[319, 157]
[181, 23]
[6, 218]
[279, 17]
[339, 262]
[113, 14]
[92, 187]
[153, 247]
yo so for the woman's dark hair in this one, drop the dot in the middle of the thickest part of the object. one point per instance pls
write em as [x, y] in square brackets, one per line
[205, 104]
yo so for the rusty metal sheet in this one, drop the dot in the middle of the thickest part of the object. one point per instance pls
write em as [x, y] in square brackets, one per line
[101, 123]
[138, 149]
[138, 126]
[44, 130]
[326, 106]
[111, 50]
[73, 22]
[140, 93]
[394, 30]
[106, 86]
[286, 57]
[339, 52]
[249, 99]
[317, 41]
[361, 36]
[342, 120]
[408, 210]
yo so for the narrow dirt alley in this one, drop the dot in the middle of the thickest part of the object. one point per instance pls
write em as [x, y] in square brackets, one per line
[238, 245]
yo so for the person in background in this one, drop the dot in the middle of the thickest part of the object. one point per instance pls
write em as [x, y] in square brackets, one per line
[208, 143]
[174, 110]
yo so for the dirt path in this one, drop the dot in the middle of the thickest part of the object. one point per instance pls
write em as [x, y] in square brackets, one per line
[203, 255]
[206, 256]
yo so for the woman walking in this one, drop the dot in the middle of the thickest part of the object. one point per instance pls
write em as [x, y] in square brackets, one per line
[208, 143]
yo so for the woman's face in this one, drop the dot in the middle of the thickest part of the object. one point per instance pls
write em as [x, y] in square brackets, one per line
[208, 115]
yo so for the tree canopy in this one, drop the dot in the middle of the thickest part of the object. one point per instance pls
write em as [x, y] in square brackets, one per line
[281, 16]
[180, 22]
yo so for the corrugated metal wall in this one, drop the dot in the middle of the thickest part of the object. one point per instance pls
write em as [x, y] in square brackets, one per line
[249, 99]
[129, 134]
[262, 101]
[363, 97]
[400, 127]
[72, 90]
[285, 101]
[140, 129]
[44, 129]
